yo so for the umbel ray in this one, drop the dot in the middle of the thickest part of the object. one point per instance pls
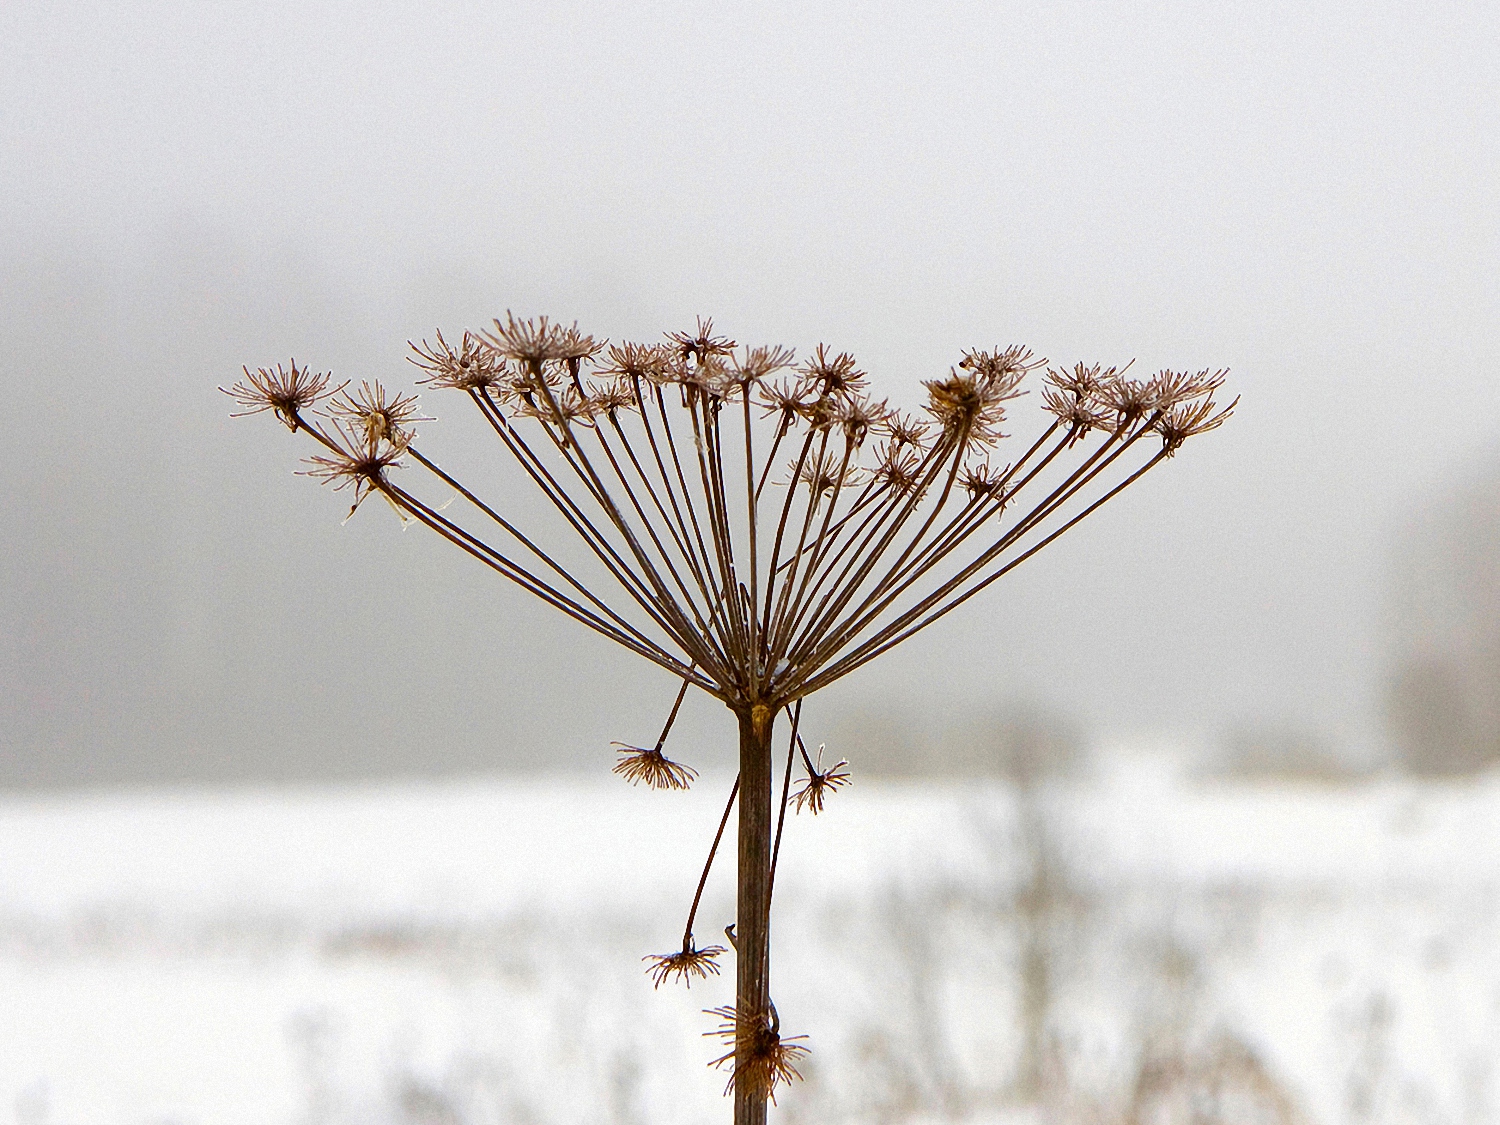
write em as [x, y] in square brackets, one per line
[758, 528]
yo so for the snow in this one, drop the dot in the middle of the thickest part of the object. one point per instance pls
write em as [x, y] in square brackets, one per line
[471, 951]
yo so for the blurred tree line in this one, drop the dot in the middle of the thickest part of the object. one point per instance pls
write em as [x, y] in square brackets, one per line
[1443, 696]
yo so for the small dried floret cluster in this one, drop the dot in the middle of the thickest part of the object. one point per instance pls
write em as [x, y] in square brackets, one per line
[819, 782]
[686, 964]
[657, 456]
[758, 1057]
[287, 392]
[637, 764]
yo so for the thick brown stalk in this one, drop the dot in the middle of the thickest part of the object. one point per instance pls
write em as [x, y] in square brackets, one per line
[753, 905]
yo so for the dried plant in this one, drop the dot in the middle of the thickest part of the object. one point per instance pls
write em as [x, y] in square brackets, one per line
[819, 782]
[759, 1059]
[756, 529]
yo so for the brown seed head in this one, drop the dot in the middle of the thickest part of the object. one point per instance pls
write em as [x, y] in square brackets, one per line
[686, 964]
[759, 1058]
[905, 429]
[473, 366]
[821, 474]
[819, 783]
[791, 398]
[377, 417]
[857, 414]
[615, 394]
[833, 375]
[1189, 419]
[1130, 399]
[896, 467]
[701, 344]
[1081, 382]
[1174, 387]
[537, 341]
[637, 764]
[525, 383]
[285, 392]
[981, 481]
[1079, 414]
[636, 361]
[710, 376]
[754, 364]
[967, 406]
[357, 460]
[1003, 369]
[820, 411]
[563, 406]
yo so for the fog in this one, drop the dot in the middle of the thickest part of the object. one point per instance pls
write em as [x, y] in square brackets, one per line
[1303, 193]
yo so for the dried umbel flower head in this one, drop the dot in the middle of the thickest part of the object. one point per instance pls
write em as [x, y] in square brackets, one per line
[287, 392]
[833, 374]
[358, 460]
[656, 465]
[1189, 419]
[754, 364]
[759, 1059]
[687, 963]
[378, 417]
[635, 362]
[905, 429]
[857, 415]
[897, 468]
[825, 472]
[701, 344]
[563, 406]
[980, 481]
[969, 405]
[612, 395]
[1130, 399]
[474, 366]
[637, 764]
[537, 341]
[1173, 388]
[819, 782]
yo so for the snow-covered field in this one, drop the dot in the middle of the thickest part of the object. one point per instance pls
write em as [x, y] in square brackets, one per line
[1130, 949]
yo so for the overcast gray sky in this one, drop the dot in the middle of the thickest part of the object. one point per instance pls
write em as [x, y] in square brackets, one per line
[1305, 193]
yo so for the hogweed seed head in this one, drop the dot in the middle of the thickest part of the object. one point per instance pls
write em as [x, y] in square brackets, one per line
[636, 361]
[1130, 399]
[701, 345]
[981, 481]
[287, 392]
[857, 415]
[638, 764]
[475, 365]
[358, 460]
[377, 417]
[788, 398]
[537, 341]
[905, 429]
[755, 364]
[833, 374]
[1173, 388]
[819, 782]
[969, 405]
[824, 472]
[759, 1059]
[886, 522]
[896, 467]
[687, 963]
[1189, 419]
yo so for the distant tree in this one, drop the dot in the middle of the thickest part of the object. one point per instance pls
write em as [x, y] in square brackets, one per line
[1443, 699]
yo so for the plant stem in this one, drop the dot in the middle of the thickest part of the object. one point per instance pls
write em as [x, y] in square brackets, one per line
[753, 905]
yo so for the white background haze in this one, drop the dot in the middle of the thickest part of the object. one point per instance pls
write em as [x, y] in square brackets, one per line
[1308, 194]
